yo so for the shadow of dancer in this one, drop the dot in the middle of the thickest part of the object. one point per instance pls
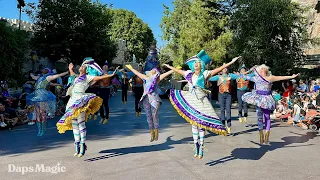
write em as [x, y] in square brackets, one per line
[140, 149]
[257, 153]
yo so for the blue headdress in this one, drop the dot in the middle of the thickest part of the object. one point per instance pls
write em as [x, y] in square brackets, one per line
[93, 68]
[106, 63]
[204, 59]
[152, 60]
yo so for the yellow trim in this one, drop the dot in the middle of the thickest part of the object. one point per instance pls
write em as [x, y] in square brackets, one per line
[217, 131]
[92, 107]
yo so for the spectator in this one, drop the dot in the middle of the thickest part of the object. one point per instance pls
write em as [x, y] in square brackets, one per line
[8, 115]
[302, 87]
[312, 85]
[288, 90]
[294, 85]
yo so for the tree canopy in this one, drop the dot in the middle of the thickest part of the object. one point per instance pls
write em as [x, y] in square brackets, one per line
[194, 25]
[137, 34]
[269, 31]
[72, 28]
[14, 46]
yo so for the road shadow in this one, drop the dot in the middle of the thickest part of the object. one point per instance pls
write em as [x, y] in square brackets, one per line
[168, 144]
[258, 153]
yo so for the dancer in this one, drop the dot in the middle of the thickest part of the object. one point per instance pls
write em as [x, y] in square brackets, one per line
[81, 104]
[138, 90]
[150, 98]
[242, 88]
[104, 93]
[44, 101]
[193, 105]
[262, 98]
[124, 87]
[224, 95]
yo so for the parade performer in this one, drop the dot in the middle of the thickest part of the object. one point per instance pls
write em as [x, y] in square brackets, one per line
[44, 101]
[242, 88]
[150, 98]
[138, 90]
[262, 98]
[104, 93]
[81, 104]
[224, 95]
[152, 59]
[193, 105]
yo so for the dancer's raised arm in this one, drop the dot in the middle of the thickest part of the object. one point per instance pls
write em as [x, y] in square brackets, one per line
[56, 76]
[164, 75]
[217, 70]
[140, 75]
[174, 69]
[71, 69]
[281, 78]
[97, 78]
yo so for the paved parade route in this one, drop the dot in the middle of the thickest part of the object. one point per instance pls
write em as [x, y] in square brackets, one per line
[121, 150]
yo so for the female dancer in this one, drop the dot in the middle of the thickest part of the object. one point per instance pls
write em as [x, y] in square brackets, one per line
[81, 104]
[42, 99]
[150, 98]
[193, 105]
[262, 98]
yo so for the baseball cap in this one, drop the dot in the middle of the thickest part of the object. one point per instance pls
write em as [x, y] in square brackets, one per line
[293, 80]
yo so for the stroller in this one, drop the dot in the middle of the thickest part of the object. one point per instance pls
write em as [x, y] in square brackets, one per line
[312, 120]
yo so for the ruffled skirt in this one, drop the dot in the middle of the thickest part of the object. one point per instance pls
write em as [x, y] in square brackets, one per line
[262, 101]
[197, 110]
[43, 98]
[89, 103]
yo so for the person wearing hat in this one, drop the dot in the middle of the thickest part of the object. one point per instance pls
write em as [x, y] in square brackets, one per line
[262, 97]
[152, 59]
[138, 90]
[44, 101]
[193, 105]
[104, 92]
[150, 98]
[81, 104]
[242, 88]
[224, 95]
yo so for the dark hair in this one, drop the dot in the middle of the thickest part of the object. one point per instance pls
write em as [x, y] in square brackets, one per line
[311, 106]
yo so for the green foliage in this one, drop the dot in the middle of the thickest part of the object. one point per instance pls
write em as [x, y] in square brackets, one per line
[269, 31]
[13, 47]
[194, 25]
[72, 28]
[137, 34]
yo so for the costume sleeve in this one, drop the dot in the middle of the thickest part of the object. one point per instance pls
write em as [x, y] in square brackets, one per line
[247, 77]
[71, 79]
[89, 79]
[233, 76]
[214, 78]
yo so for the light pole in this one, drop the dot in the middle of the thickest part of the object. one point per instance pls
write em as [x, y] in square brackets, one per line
[19, 6]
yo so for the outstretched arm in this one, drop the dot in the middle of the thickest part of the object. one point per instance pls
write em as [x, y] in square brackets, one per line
[140, 75]
[181, 72]
[34, 77]
[164, 75]
[217, 70]
[97, 78]
[53, 77]
[281, 78]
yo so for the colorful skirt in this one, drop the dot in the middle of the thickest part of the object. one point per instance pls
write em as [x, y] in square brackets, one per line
[43, 96]
[262, 101]
[197, 110]
[89, 103]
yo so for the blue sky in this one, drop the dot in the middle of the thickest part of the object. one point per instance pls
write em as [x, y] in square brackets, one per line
[150, 11]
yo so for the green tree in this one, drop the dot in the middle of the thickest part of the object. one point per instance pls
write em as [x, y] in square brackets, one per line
[72, 28]
[137, 34]
[194, 25]
[13, 48]
[269, 31]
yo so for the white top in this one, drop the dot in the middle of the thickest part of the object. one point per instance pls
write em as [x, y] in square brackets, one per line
[77, 90]
[206, 73]
[297, 108]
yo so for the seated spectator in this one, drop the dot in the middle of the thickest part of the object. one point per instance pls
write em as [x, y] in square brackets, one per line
[295, 117]
[302, 87]
[282, 109]
[276, 95]
[11, 116]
